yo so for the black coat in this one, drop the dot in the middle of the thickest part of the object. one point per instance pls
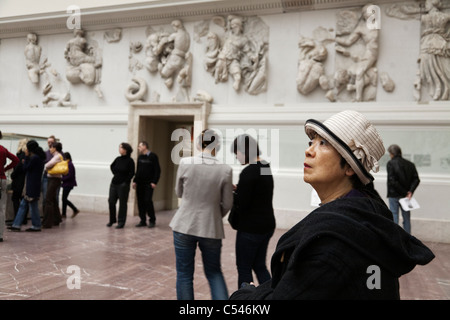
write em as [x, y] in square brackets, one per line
[328, 255]
[33, 167]
[253, 199]
[402, 177]
[148, 169]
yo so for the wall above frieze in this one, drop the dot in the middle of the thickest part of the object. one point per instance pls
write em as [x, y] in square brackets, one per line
[160, 12]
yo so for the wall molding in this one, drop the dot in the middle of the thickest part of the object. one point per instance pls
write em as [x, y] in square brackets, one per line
[161, 12]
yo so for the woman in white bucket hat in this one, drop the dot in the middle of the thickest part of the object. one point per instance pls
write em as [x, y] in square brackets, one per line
[349, 247]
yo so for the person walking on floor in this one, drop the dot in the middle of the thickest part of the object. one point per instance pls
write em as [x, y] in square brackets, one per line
[69, 181]
[349, 247]
[253, 213]
[402, 181]
[123, 171]
[33, 167]
[4, 156]
[206, 191]
[147, 176]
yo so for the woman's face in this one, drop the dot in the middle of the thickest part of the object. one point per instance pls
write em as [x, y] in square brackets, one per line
[122, 151]
[241, 157]
[52, 150]
[322, 166]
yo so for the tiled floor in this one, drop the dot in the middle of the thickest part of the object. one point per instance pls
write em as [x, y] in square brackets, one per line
[139, 263]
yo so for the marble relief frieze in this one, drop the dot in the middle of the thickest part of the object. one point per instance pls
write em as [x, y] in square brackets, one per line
[355, 48]
[433, 71]
[84, 61]
[236, 51]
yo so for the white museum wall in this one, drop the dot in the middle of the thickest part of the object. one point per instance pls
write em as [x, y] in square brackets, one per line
[93, 128]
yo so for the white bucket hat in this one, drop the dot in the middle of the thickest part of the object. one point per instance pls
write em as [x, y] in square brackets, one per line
[354, 137]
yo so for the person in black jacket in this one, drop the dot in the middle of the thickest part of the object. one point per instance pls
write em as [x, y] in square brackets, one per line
[33, 167]
[123, 171]
[402, 181]
[253, 213]
[349, 247]
[147, 176]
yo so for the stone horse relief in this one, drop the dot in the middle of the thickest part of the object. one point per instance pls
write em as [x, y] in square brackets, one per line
[434, 58]
[237, 49]
[84, 61]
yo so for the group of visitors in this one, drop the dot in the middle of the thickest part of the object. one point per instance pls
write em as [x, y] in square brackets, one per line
[31, 178]
[327, 255]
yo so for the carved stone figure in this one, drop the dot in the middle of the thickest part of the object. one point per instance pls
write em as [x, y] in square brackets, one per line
[176, 59]
[237, 50]
[434, 61]
[234, 48]
[310, 64]
[114, 35]
[33, 57]
[84, 62]
[169, 54]
[361, 45]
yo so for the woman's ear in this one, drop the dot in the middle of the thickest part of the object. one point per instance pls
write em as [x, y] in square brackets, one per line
[349, 171]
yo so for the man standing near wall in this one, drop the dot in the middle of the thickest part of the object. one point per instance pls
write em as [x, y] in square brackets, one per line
[402, 181]
[147, 176]
[4, 154]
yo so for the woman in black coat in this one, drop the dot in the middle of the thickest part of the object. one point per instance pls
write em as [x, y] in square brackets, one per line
[33, 167]
[123, 171]
[348, 248]
[253, 213]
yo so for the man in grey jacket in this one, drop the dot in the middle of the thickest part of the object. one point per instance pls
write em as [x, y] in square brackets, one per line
[206, 191]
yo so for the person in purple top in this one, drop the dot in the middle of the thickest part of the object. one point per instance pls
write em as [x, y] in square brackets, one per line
[69, 181]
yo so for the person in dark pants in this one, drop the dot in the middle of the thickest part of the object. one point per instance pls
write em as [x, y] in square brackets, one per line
[402, 181]
[254, 215]
[147, 176]
[33, 166]
[123, 171]
[18, 179]
[52, 215]
[69, 181]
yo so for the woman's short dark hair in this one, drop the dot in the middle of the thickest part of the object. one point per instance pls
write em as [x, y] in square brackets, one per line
[246, 145]
[57, 146]
[67, 156]
[127, 148]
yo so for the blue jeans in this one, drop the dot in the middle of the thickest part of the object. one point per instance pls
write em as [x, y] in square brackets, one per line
[394, 205]
[251, 251]
[185, 247]
[34, 210]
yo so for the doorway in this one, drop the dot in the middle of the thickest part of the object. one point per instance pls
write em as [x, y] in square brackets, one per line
[155, 124]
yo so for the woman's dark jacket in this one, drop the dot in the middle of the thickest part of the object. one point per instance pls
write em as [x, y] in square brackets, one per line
[331, 252]
[253, 199]
[122, 169]
[33, 167]
[69, 180]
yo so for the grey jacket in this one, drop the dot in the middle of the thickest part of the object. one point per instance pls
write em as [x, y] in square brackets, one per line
[206, 191]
